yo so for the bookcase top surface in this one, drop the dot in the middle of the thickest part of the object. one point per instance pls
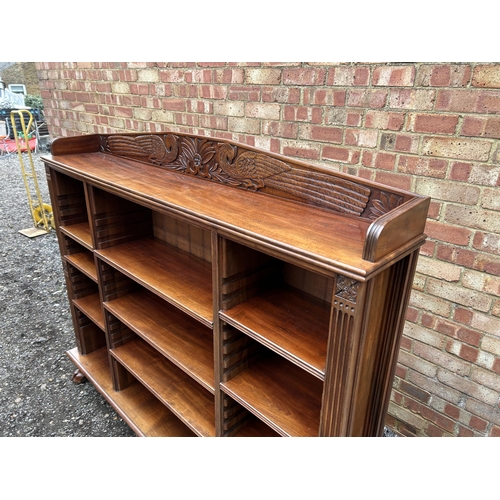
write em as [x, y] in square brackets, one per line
[330, 240]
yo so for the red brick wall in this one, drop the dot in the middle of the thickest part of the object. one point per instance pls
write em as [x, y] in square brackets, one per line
[429, 128]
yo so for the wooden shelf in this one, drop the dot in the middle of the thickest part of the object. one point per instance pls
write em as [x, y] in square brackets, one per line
[79, 232]
[90, 305]
[181, 339]
[281, 394]
[136, 405]
[180, 278]
[182, 395]
[256, 428]
[84, 261]
[291, 323]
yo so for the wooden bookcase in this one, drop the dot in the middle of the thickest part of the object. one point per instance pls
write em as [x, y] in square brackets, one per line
[220, 290]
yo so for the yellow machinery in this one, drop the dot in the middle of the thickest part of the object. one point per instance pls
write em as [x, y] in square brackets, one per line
[43, 218]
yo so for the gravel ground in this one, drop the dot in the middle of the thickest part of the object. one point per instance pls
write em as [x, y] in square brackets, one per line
[37, 395]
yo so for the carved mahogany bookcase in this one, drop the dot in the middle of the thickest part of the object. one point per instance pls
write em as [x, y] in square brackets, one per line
[221, 290]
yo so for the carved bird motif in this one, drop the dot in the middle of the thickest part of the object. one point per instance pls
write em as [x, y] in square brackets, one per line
[150, 148]
[250, 168]
[257, 170]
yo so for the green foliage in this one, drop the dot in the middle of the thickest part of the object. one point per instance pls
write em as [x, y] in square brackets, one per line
[33, 101]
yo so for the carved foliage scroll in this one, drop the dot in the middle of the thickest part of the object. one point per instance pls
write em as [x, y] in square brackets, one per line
[237, 167]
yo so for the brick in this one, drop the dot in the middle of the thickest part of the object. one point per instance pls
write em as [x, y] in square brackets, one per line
[300, 150]
[300, 76]
[424, 335]
[491, 199]
[126, 75]
[478, 423]
[344, 155]
[456, 255]
[411, 99]
[229, 75]
[244, 125]
[460, 215]
[148, 75]
[244, 93]
[481, 282]
[324, 134]
[400, 181]
[495, 310]
[259, 76]
[120, 88]
[229, 108]
[432, 416]
[447, 233]
[487, 263]
[368, 98]
[488, 102]
[416, 363]
[303, 113]
[384, 161]
[394, 76]
[443, 75]
[464, 432]
[463, 351]
[486, 175]
[487, 412]
[362, 138]
[486, 323]
[283, 95]
[268, 111]
[460, 171]
[458, 295]
[159, 115]
[435, 387]
[408, 417]
[415, 392]
[435, 124]
[491, 344]
[486, 378]
[439, 269]
[452, 411]
[462, 101]
[495, 431]
[434, 210]
[418, 165]
[384, 120]
[280, 129]
[398, 142]
[496, 366]
[486, 76]
[406, 143]
[349, 76]
[123, 111]
[198, 76]
[462, 149]
[474, 126]
[466, 386]
[448, 191]
[440, 358]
